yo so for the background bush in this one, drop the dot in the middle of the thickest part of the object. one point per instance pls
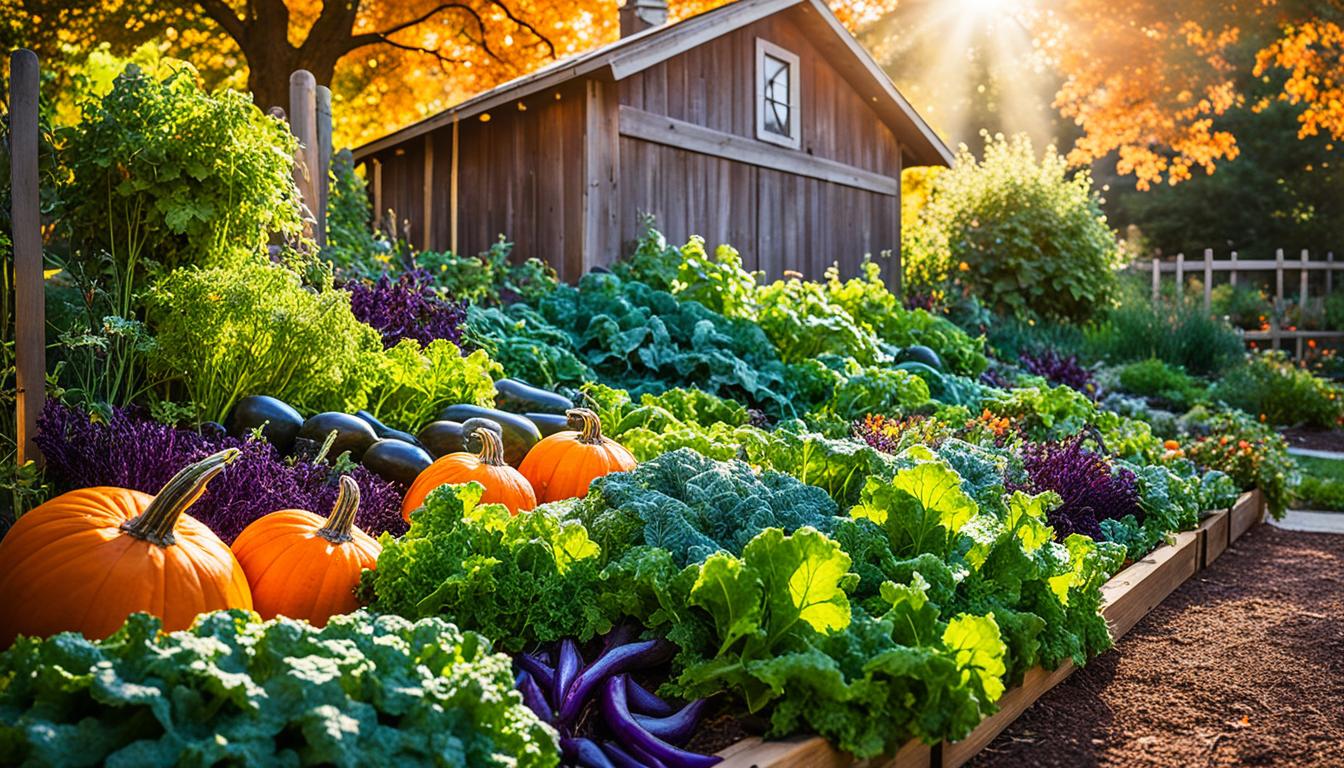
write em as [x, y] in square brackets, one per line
[1024, 234]
[1280, 393]
[1177, 333]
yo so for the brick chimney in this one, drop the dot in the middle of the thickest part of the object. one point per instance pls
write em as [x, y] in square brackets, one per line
[639, 15]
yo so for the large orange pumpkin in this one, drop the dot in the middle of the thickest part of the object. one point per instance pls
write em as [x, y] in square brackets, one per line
[563, 465]
[503, 484]
[87, 559]
[304, 566]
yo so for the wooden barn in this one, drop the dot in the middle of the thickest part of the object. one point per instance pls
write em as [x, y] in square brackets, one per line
[762, 124]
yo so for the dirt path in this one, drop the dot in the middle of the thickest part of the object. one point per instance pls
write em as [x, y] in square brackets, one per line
[1244, 665]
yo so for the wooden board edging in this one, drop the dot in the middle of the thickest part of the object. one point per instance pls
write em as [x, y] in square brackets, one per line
[1126, 598]
[1215, 529]
[1248, 512]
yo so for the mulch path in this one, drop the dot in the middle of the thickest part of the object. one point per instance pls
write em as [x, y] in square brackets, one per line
[1243, 665]
[1315, 439]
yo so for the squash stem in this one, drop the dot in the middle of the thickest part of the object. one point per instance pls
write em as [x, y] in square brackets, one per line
[342, 517]
[492, 447]
[157, 522]
[587, 424]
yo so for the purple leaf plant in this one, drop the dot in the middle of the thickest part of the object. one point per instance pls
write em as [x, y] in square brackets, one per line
[407, 308]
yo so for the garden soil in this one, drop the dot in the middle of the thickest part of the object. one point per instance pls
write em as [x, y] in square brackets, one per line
[1242, 666]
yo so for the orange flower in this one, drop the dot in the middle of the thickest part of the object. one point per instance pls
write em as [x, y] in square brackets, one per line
[1171, 445]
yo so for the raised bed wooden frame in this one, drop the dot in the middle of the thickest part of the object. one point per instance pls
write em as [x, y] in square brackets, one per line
[1129, 596]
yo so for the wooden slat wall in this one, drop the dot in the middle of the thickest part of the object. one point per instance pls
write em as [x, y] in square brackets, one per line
[522, 173]
[778, 221]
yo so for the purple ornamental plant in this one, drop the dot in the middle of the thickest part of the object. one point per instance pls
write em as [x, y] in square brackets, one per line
[407, 308]
[130, 450]
[1092, 489]
[1058, 369]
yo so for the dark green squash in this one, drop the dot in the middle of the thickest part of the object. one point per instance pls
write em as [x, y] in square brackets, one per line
[517, 397]
[352, 434]
[282, 422]
[518, 432]
[396, 460]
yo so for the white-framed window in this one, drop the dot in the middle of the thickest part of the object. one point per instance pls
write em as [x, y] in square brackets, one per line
[777, 95]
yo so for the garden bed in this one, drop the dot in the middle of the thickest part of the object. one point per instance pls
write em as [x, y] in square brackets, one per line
[1127, 597]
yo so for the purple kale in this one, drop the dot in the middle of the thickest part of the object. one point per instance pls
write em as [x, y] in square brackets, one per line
[130, 450]
[1058, 369]
[1092, 489]
[407, 308]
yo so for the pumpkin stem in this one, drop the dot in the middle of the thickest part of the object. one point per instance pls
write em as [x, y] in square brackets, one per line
[342, 517]
[157, 522]
[492, 446]
[587, 424]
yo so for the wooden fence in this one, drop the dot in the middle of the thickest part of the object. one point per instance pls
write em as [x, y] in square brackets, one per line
[311, 122]
[1207, 267]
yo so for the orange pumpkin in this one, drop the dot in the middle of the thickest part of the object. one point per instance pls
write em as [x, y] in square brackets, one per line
[87, 559]
[304, 566]
[563, 465]
[503, 484]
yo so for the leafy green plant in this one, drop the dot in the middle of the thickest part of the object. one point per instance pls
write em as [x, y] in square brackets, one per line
[1156, 379]
[1254, 455]
[1320, 484]
[227, 332]
[1027, 236]
[1271, 387]
[163, 173]
[231, 690]
[491, 278]
[352, 243]
[1242, 305]
[523, 579]
[1179, 334]
[415, 382]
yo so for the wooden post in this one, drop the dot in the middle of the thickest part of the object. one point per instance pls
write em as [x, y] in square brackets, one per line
[1278, 280]
[452, 194]
[1329, 273]
[1234, 270]
[1208, 279]
[30, 346]
[303, 123]
[377, 193]
[323, 161]
[427, 190]
[1157, 279]
[1302, 300]
[1180, 277]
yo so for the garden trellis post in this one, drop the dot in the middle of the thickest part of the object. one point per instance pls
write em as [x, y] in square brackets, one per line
[30, 350]
[303, 123]
[323, 161]
[1208, 279]
[1180, 277]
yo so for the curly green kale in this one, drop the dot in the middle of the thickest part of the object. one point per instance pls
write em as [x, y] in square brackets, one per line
[362, 690]
[694, 506]
[523, 579]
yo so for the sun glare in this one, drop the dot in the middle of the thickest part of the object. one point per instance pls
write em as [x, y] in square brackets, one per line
[986, 7]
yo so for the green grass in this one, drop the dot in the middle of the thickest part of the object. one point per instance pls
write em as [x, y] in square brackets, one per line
[1321, 484]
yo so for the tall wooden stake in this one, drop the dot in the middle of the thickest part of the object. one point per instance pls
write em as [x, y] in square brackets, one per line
[30, 348]
[323, 161]
[303, 123]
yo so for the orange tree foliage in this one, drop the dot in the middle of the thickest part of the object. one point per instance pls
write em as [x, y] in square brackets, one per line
[1148, 80]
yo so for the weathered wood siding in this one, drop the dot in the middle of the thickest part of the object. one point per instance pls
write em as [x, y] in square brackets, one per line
[520, 174]
[525, 173]
[777, 220]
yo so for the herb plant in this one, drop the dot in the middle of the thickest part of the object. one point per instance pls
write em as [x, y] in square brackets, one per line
[406, 308]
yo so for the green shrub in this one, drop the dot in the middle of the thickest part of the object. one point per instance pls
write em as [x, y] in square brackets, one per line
[1278, 392]
[253, 329]
[1179, 334]
[1243, 306]
[1023, 234]
[491, 278]
[1009, 337]
[1320, 484]
[352, 244]
[1154, 378]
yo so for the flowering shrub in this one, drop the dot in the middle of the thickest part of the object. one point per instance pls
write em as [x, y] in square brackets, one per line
[129, 450]
[407, 308]
[1250, 453]
[1275, 390]
[1091, 489]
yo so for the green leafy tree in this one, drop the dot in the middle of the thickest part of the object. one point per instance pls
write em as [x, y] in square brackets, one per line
[1024, 234]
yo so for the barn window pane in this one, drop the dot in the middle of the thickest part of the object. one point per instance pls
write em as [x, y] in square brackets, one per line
[777, 102]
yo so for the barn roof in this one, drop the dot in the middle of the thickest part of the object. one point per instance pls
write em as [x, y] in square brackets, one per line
[635, 53]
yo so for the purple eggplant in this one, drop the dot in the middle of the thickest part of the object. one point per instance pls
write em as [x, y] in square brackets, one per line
[676, 728]
[644, 702]
[647, 653]
[619, 757]
[566, 669]
[585, 753]
[616, 712]
[645, 757]
[543, 674]
[534, 698]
